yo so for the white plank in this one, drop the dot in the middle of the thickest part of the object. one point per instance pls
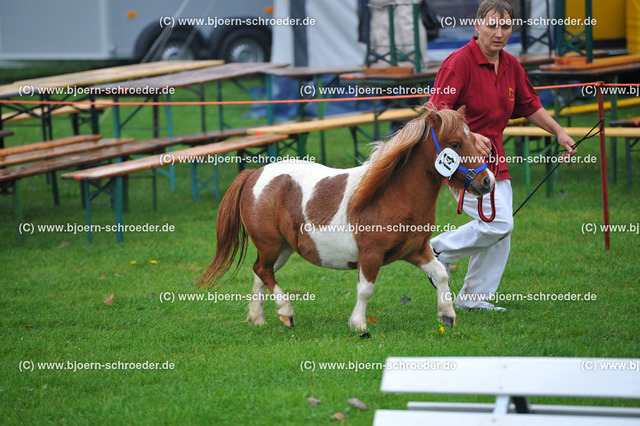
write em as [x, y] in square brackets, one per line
[519, 376]
[480, 407]
[421, 418]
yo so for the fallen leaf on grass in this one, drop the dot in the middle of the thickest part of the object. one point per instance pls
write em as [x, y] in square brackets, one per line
[29, 326]
[372, 320]
[357, 403]
[101, 277]
[109, 300]
[338, 416]
[313, 401]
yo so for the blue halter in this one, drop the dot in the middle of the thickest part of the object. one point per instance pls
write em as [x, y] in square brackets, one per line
[469, 173]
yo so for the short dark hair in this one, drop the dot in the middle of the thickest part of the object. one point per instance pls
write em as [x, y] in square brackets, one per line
[500, 6]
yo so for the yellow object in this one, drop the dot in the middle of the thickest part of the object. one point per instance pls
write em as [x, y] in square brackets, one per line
[633, 26]
[610, 17]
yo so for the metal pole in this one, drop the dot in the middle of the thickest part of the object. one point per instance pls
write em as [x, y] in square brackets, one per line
[603, 169]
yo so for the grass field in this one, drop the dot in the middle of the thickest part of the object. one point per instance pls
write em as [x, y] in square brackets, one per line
[225, 371]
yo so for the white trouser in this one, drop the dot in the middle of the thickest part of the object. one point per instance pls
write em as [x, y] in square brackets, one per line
[486, 243]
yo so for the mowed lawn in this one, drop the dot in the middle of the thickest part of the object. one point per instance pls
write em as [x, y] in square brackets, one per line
[214, 368]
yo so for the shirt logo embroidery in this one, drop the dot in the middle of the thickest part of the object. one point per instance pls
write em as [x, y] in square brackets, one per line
[512, 97]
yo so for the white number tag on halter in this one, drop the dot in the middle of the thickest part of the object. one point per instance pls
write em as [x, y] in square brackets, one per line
[447, 162]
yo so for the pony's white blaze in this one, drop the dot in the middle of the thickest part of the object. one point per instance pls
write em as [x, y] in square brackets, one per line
[466, 130]
[334, 242]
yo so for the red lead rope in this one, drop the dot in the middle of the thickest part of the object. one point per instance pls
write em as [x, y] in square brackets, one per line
[494, 166]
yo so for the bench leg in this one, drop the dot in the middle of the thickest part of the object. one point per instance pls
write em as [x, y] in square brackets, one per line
[194, 181]
[302, 145]
[216, 190]
[86, 196]
[522, 404]
[627, 148]
[614, 159]
[501, 405]
[54, 188]
[75, 123]
[548, 167]
[82, 194]
[197, 185]
[154, 190]
[95, 123]
[272, 150]
[118, 208]
[125, 193]
[357, 155]
[17, 212]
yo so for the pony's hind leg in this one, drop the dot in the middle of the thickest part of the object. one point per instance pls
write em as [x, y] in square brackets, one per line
[258, 295]
[264, 270]
[256, 304]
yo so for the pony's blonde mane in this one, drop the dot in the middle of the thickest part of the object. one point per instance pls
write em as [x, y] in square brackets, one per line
[389, 156]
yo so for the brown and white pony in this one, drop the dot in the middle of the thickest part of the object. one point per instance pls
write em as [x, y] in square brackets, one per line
[285, 207]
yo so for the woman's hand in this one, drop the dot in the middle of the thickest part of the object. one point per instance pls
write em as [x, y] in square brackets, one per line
[483, 144]
[567, 143]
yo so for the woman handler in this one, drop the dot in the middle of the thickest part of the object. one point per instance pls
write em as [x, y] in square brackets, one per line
[494, 87]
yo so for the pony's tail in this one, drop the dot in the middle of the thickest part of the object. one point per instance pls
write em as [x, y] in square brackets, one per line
[230, 234]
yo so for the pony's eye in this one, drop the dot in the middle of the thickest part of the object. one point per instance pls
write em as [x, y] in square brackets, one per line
[455, 145]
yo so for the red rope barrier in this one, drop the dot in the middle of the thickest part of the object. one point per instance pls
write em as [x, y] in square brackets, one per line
[277, 101]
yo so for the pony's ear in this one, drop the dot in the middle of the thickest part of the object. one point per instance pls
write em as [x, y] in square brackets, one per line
[462, 110]
[432, 115]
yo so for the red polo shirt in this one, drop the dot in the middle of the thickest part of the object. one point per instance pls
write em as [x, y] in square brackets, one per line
[491, 99]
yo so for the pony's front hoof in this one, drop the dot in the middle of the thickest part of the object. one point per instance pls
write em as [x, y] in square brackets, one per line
[288, 321]
[358, 325]
[448, 321]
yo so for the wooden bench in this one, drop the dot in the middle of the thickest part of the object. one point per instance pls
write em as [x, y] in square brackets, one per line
[108, 150]
[628, 133]
[54, 143]
[17, 116]
[77, 114]
[58, 151]
[592, 108]
[93, 152]
[301, 129]
[42, 150]
[512, 381]
[115, 172]
[629, 143]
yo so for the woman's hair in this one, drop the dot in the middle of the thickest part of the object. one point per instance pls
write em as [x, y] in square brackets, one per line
[501, 6]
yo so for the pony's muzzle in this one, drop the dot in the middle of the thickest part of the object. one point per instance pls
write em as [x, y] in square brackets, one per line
[487, 183]
[482, 184]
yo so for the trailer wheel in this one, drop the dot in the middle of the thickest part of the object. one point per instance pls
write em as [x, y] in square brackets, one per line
[178, 47]
[246, 45]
